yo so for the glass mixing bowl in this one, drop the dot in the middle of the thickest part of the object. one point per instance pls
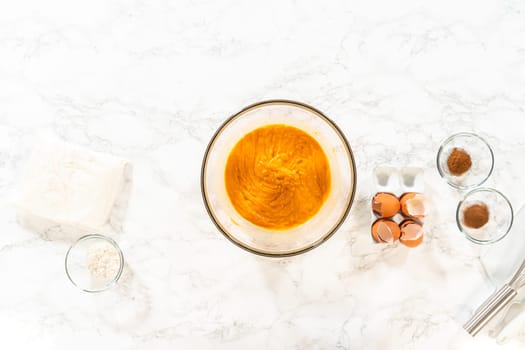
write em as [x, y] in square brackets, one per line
[299, 239]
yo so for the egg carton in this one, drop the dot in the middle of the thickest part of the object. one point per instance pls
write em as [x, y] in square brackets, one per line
[397, 181]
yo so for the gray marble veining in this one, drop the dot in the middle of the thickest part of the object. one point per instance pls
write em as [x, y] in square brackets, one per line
[151, 81]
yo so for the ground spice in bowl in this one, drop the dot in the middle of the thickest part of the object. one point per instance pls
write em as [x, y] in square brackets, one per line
[459, 161]
[476, 216]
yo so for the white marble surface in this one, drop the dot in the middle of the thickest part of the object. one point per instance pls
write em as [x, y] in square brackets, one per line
[151, 80]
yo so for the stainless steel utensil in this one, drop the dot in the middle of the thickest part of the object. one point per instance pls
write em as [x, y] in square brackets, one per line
[493, 305]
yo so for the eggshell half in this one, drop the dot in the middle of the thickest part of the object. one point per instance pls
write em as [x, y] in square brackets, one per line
[385, 231]
[385, 205]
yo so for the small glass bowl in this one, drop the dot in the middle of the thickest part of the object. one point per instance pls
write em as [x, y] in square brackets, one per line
[94, 263]
[501, 215]
[480, 153]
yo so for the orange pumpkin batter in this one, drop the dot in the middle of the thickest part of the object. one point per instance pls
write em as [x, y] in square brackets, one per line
[277, 176]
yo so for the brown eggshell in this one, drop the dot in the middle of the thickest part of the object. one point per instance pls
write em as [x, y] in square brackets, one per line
[385, 231]
[385, 205]
[413, 204]
[411, 233]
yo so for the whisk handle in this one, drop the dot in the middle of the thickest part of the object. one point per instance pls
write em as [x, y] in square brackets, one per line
[489, 309]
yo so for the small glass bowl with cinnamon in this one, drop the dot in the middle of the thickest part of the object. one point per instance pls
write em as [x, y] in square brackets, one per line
[465, 160]
[484, 215]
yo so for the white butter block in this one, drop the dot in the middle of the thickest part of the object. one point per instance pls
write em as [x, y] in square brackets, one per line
[69, 185]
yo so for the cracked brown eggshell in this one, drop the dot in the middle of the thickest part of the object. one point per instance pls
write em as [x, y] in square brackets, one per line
[385, 231]
[385, 205]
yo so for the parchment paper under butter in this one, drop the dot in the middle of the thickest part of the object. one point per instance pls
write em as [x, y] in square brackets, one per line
[67, 191]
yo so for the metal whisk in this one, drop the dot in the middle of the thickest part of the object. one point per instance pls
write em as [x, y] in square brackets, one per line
[496, 302]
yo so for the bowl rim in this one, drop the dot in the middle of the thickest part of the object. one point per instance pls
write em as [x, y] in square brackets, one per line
[442, 171]
[350, 157]
[484, 241]
[111, 241]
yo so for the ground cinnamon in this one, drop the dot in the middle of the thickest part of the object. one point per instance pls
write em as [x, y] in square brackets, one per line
[476, 215]
[459, 161]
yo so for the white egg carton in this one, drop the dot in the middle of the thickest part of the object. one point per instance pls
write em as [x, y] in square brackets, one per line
[397, 180]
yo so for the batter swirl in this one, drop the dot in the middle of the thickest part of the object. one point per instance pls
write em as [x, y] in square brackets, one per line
[277, 177]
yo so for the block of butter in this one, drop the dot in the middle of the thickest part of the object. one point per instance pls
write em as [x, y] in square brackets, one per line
[68, 185]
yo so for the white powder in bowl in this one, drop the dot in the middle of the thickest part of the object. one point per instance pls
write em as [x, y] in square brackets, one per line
[103, 261]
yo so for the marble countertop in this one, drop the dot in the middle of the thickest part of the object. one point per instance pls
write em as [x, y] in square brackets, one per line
[150, 81]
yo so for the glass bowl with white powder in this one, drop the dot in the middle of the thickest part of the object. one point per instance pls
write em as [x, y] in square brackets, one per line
[94, 263]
